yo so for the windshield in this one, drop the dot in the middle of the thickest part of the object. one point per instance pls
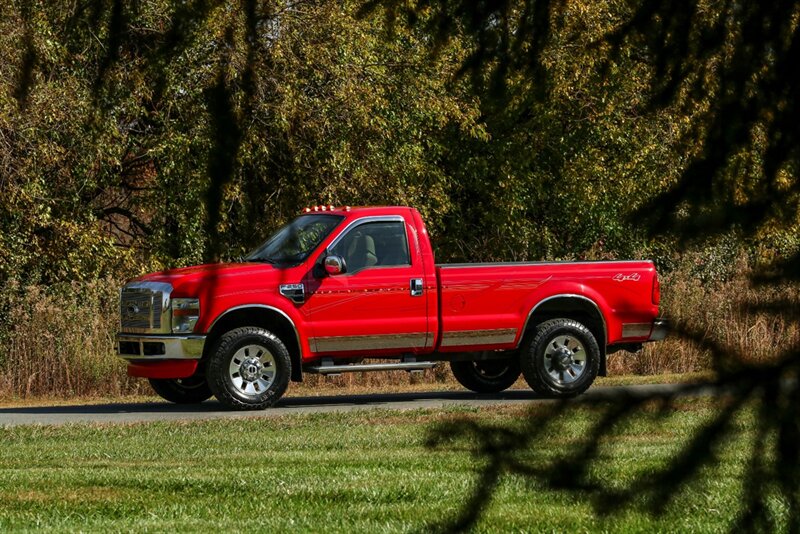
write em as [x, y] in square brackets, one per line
[295, 241]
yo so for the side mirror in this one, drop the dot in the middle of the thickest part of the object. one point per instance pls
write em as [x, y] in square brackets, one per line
[335, 265]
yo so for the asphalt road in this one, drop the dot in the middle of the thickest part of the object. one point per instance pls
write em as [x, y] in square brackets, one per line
[211, 409]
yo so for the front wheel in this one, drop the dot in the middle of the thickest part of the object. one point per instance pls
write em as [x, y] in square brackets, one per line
[486, 376]
[249, 369]
[190, 390]
[562, 360]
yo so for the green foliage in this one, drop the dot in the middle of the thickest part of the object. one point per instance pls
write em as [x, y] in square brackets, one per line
[569, 153]
[200, 128]
[141, 136]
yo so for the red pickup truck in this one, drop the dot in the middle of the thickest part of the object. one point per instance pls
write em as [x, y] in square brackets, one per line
[337, 286]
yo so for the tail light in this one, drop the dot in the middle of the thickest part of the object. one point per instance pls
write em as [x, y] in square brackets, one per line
[656, 290]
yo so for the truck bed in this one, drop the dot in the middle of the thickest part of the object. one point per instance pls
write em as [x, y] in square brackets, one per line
[487, 305]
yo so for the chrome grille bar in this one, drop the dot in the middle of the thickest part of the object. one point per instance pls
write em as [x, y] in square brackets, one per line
[142, 306]
[136, 307]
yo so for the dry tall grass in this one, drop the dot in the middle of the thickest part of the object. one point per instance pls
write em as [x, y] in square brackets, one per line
[730, 313]
[62, 342]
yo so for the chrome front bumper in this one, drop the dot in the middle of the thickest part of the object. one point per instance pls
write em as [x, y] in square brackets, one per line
[160, 347]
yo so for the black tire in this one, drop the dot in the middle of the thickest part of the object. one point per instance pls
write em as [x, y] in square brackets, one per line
[249, 369]
[551, 362]
[486, 376]
[192, 390]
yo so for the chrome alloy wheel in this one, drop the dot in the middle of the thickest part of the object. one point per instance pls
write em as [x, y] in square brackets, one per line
[565, 359]
[252, 370]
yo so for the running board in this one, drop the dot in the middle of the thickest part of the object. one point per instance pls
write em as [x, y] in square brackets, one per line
[329, 369]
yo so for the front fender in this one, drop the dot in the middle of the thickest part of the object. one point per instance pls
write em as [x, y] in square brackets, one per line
[220, 307]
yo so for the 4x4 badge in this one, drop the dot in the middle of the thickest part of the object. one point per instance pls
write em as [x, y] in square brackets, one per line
[626, 277]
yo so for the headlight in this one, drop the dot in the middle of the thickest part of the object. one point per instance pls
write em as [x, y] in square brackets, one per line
[185, 313]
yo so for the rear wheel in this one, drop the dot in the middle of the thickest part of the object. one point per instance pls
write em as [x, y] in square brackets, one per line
[249, 369]
[562, 359]
[190, 390]
[486, 376]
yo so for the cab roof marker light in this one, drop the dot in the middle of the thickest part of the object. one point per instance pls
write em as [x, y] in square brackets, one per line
[329, 207]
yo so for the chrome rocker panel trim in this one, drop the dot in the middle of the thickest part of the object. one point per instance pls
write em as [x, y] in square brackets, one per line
[413, 340]
[496, 336]
[636, 330]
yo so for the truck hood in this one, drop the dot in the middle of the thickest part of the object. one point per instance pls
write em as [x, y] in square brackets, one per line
[216, 278]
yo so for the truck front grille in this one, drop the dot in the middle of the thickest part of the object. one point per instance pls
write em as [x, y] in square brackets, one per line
[140, 308]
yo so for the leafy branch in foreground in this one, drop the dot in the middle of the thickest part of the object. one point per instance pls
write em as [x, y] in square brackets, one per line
[772, 390]
[730, 68]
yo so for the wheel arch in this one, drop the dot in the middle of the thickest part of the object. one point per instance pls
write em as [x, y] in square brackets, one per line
[571, 306]
[263, 316]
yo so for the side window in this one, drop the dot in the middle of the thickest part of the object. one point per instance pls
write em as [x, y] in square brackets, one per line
[375, 244]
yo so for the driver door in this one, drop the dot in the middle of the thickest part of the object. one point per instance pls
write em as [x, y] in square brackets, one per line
[371, 307]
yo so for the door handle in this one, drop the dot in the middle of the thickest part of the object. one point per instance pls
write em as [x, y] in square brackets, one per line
[416, 287]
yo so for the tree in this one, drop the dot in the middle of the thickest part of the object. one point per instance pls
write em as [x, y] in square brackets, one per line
[154, 133]
[157, 127]
[730, 69]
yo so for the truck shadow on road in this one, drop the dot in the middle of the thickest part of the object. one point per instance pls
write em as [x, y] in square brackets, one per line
[139, 412]
[303, 404]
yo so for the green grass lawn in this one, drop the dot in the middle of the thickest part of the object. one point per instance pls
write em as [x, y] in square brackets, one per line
[364, 471]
